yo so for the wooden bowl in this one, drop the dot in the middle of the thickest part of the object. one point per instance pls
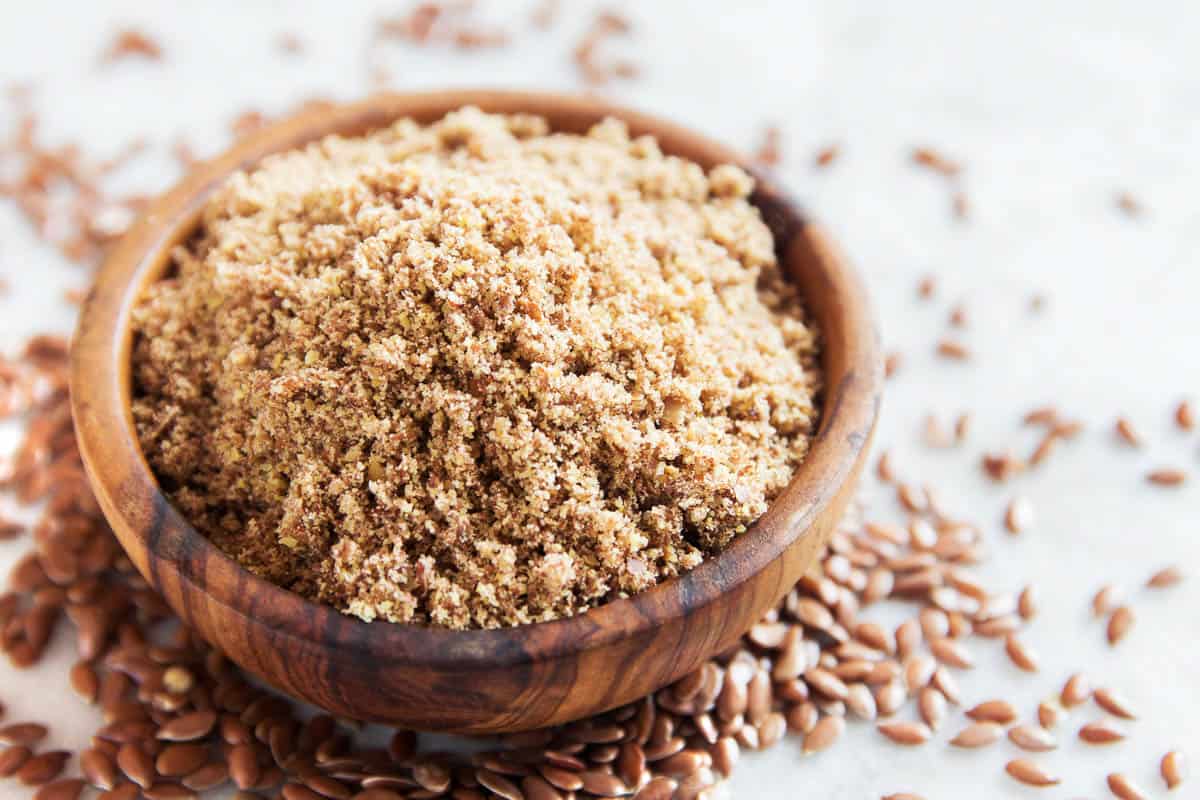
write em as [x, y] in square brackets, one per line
[469, 681]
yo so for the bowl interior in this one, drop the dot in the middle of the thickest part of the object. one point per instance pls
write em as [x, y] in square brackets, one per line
[850, 359]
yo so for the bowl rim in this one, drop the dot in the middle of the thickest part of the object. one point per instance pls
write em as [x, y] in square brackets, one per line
[101, 390]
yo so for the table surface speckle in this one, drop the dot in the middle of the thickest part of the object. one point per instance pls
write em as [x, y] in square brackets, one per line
[1052, 109]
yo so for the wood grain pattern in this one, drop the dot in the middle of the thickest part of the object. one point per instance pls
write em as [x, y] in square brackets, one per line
[473, 681]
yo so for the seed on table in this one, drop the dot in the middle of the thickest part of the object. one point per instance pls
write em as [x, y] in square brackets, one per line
[660, 788]
[952, 652]
[1165, 577]
[432, 777]
[64, 789]
[1048, 714]
[207, 777]
[824, 733]
[1127, 432]
[949, 348]
[1101, 732]
[1119, 624]
[802, 717]
[1027, 603]
[1103, 600]
[932, 705]
[23, 733]
[1032, 738]
[1114, 703]
[935, 623]
[1030, 773]
[243, 766]
[297, 791]
[84, 681]
[908, 637]
[861, 701]
[178, 760]
[947, 684]
[564, 779]
[1018, 516]
[1167, 476]
[11, 759]
[918, 671]
[1184, 417]
[1124, 788]
[1075, 691]
[978, 734]
[998, 711]
[906, 733]
[136, 763]
[533, 787]
[501, 786]
[98, 767]
[42, 768]
[1020, 654]
[187, 727]
[889, 697]
[1172, 768]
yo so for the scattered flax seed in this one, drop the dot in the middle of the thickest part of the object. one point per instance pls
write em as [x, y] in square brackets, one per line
[1119, 624]
[962, 427]
[906, 733]
[1018, 516]
[931, 159]
[1185, 418]
[891, 364]
[998, 711]
[952, 349]
[1075, 691]
[1103, 601]
[1027, 603]
[1167, 476]
[1047, 416]
[769, 152]
[1044, 448]
[1165, 578]
[824, 733]
[132, 43]
[1124, 788]
[1002, 466]
[1128, 205]
[1032, 738]
[1020, 654]
[1049, 713]
[1030, 773]
[558, 351]
[1067, 428]
[1113, 703]
[1101, 732]
[1172, 768]
[883, 467]
[927, 287]
[826, 155]
[1127, 433]
[958, 317]
[960, 205]
[978, 734]
[1037, 303]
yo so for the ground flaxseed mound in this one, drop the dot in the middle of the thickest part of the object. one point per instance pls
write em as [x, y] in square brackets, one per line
[474, 374]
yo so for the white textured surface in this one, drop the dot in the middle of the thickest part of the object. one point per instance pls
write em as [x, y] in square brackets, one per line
[1053, 107]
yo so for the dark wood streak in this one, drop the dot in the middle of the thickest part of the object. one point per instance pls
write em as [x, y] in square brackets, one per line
[471, 681]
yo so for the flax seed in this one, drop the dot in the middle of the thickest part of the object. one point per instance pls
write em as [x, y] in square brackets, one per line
[1185, 418]
[1020, 654]
[978, 734]
[906, 733]
[1172, 769]
[1029, 773]
[824, 733]
[1167, 476]
[1032, 738]
[1101, 732]
[1075, 691]
[42, 768]
[1113, 703]
[1119, 624]
[1165, 577]
[1124, 788]
[1127, 432]
[998, 711]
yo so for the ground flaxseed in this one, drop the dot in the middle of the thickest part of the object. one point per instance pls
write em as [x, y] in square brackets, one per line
[475, 374]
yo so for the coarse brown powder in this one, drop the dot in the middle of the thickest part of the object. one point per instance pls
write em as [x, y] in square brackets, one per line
[475, 374]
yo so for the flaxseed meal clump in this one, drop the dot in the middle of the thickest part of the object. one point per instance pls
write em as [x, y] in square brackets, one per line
[475, 374]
